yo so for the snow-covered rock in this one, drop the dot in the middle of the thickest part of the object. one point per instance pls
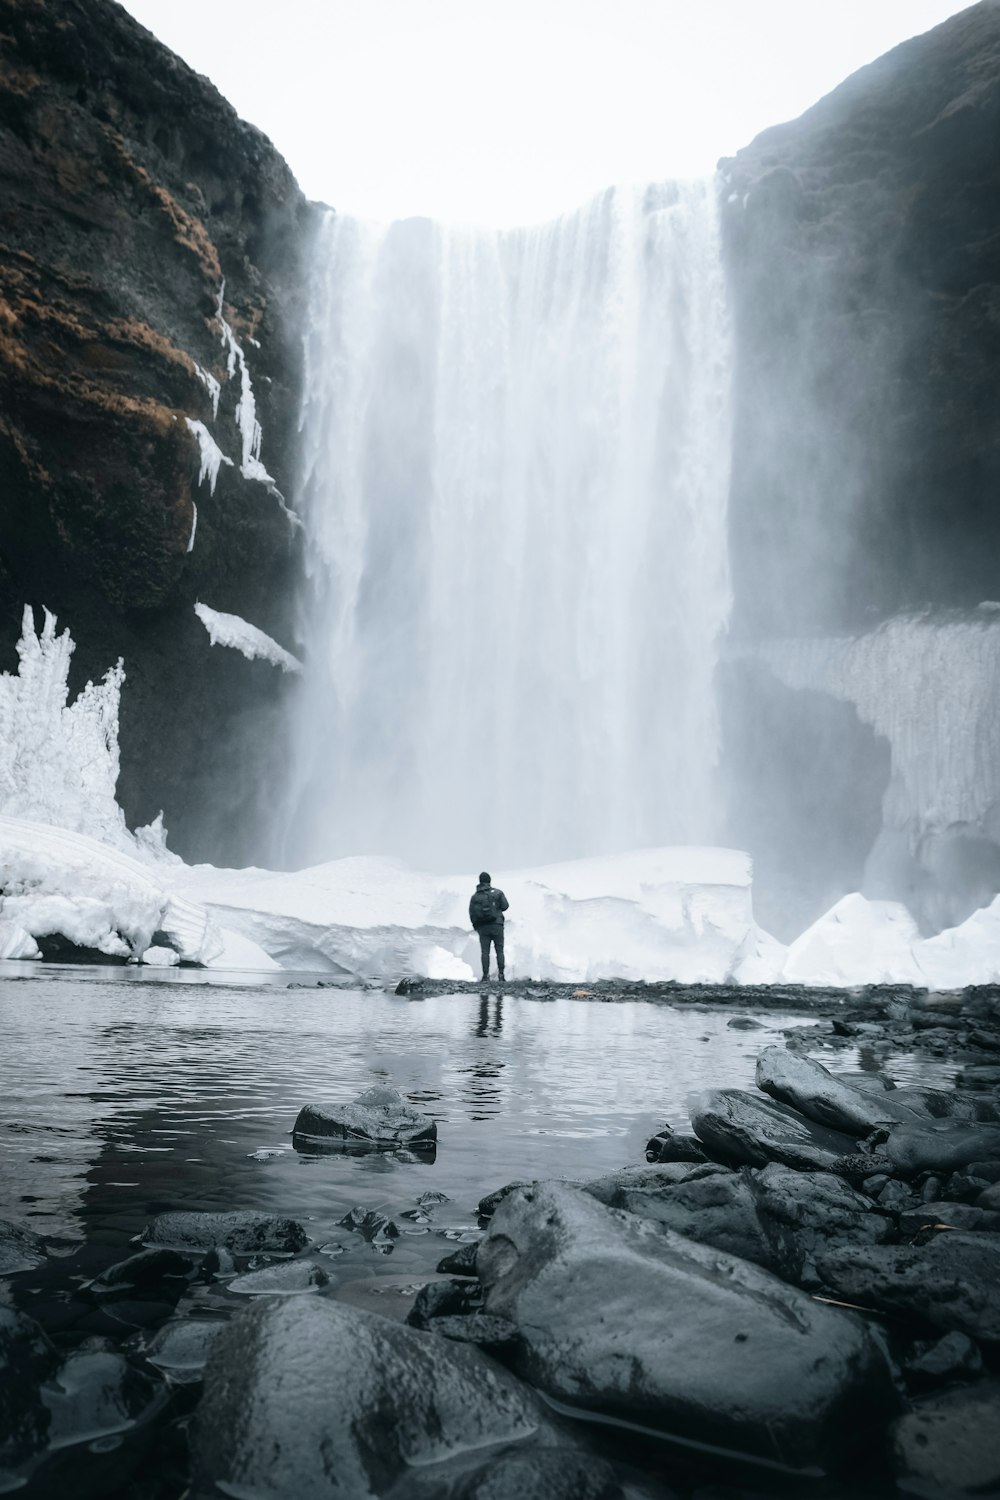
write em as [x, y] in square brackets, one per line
[56, 880]
[231, 630]
[159, 957]
[857, 942]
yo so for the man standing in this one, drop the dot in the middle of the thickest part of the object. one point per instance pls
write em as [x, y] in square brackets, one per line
[486, 911]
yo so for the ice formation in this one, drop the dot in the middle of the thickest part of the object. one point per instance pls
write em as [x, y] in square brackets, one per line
[516, 463]
[211, 385]
[230, 630]
[194, 526]
[929, 686]
[857, 942]
[246, 407]
[55, 880]
[212, 458]
[59, 760]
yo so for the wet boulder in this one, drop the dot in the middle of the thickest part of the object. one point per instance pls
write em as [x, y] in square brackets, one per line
[179, 1348]
[746, 1129]
[650, 1178]
[951, 1282]
[626, 1320]
[241, 1232]
[948, 1444]
[380, 1118]
[809, 1088]
[347, 1402]
[933, 1362]
[937, 1146]
[535, 1474]
[20, 1248]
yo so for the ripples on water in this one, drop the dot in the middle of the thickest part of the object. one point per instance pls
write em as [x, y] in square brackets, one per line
[121, 1100]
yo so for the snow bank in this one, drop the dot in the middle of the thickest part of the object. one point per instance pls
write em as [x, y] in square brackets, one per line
[58, 881]
[655, 914]
[59, 760]
[967, 954]
[857, 942]
[231, 630]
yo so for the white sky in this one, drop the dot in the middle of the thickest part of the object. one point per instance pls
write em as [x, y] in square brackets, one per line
[509, 111]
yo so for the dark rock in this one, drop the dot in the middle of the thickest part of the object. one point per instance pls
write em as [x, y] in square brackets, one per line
[20, 1248]
[953, 1357]
[476, 1328]
[379, 1118]
[461, 1262]
[668, 1146]
[743, 1023]
[989, 1198]
[242, 1232]
[539, 1474]
[689, 1340]
[897, 1198]
[737, 1126]
[376, 1228]
[945, 1146]
[489, 1204]
[948, 1215]
[442, 1299]
[346, 1401]
[949, 1444]
[27, 1358]
[813, 1091]
[148, 1268]
[409, 987]
[650, 1178]
[290, 1278]
[952, 1281]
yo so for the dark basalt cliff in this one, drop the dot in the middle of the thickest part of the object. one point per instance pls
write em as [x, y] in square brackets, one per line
[863, 243]
[129, 191]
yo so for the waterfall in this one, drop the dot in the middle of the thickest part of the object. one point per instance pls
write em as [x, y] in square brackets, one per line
[515, 467]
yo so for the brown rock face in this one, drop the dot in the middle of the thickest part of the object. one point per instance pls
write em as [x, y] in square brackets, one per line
[129, 190]
[864, 253]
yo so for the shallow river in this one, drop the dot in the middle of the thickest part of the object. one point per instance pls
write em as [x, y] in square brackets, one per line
[119, 1100]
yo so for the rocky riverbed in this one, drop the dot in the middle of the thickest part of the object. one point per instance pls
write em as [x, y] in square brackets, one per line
[796, 1294]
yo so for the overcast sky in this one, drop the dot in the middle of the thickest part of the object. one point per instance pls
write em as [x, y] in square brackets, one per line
[509, 111]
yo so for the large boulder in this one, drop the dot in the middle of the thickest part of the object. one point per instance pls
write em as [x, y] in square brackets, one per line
[242, 1231]
[952, 1282]
[939, 1146]
[746, 1129]
[316, 1398]
[623, 1319]
[379, 1118]
[812, 1090]
[948, 1444]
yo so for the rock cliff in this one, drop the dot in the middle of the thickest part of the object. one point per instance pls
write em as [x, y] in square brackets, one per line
[130, 194]
[863, 251]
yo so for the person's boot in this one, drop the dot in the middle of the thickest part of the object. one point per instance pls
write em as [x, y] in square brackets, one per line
[486, 976]
[501, 976]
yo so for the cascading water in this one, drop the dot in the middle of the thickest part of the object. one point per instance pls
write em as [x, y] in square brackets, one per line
[515, 473]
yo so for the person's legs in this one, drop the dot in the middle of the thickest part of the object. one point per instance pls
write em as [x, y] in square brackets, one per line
[484, 949]
[498, 945]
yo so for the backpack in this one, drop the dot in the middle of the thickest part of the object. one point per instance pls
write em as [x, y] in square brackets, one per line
[484, 907]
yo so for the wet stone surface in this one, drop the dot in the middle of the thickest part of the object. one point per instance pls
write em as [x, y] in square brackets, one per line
[503, 1334]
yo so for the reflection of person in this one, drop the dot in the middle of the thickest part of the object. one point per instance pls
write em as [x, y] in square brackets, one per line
[486, 911]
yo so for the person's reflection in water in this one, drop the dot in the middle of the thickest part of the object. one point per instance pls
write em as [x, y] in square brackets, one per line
[483, 1028]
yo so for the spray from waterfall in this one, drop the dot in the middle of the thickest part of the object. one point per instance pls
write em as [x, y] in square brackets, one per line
[515, 468]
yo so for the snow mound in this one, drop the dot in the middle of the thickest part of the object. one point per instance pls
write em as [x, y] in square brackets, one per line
[59, 881]
[230, 630]
[857, 942]
[967, 954]
[241, 953]
[655, 914]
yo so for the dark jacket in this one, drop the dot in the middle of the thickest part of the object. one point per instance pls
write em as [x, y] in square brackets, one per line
[483, 915]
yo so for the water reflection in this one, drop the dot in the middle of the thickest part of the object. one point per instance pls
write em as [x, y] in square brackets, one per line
[118, 1101]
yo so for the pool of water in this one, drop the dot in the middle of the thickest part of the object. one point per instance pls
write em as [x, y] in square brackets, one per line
[121, 1100]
